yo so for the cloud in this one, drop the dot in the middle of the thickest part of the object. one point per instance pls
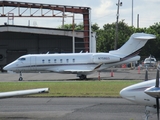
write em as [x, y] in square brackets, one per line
[148, 12]
[102, 12]
[153, 1]
[103, 8]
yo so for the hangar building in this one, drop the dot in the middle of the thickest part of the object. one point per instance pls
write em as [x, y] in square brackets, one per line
[19, 40]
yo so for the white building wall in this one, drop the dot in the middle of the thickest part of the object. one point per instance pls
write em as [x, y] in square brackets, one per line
[93, 42]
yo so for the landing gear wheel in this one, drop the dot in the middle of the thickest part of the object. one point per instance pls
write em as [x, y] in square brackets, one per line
[147, 115]
[82, 77]
[20, 78]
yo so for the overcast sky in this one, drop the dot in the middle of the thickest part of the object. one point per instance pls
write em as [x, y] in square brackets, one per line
[102, 12]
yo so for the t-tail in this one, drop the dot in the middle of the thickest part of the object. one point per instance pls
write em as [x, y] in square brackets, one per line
[133, 45]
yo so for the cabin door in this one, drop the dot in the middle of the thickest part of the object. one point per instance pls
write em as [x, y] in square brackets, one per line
[33, 65]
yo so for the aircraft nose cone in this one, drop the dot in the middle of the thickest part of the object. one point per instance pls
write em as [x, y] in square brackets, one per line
[8, 67]
[123, 93]
[5, 67]
[126, 94]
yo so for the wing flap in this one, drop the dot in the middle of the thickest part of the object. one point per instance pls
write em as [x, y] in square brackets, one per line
[76, 68]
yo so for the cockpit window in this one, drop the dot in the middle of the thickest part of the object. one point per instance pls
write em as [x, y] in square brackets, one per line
[22, 59]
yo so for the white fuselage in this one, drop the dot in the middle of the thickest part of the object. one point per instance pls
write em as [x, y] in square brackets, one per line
[66, 63]
[135, 93]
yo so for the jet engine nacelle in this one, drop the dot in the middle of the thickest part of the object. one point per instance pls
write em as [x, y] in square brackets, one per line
[103, 58]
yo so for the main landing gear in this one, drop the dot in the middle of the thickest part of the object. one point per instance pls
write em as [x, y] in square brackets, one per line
[82, 77]
[149, 112]
[20, 76]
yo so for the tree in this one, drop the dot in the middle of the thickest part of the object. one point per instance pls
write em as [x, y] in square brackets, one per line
[71, 26]
[124, 33]
[95, 27]
[153, 46]
[106, 36]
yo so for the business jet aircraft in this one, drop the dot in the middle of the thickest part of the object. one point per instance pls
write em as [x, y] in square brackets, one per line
[145, 93]
[81, 63]
[23, 92]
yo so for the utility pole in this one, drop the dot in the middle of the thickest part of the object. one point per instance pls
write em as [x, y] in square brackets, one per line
[138, 21]
[117, 16]
[73, 37]
[132, 13]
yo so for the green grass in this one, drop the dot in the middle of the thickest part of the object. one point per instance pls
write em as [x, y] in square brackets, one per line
[109, 88]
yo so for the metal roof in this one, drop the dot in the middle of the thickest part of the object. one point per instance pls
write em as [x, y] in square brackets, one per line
[40, 30]
[66, 8]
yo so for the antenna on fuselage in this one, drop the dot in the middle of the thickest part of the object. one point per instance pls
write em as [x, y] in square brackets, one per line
[47, 52]
[81, 51]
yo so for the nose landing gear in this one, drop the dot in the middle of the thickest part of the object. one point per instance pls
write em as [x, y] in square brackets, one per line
[20, 76]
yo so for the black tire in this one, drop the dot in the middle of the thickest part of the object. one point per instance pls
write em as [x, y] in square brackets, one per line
[20, 78]
[82, 77]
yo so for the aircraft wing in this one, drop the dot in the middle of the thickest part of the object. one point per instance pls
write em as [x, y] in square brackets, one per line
[77, 68]
[23, 92]
[87, 69]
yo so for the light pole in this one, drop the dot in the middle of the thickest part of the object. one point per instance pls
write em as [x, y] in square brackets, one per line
[73, 37]
[132, 13]
[117, 16]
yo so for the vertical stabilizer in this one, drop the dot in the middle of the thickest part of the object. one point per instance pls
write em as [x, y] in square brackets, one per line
[134, 44]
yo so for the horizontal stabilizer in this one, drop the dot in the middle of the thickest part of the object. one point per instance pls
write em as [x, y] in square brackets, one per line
[145, 37]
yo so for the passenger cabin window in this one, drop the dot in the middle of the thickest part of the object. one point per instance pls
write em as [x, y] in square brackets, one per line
[43, 61]
[49, 61]
[67, 60]
[61, 60]
[73, 60]
[54, 60]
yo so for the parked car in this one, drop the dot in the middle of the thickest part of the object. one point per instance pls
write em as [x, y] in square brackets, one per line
[150, 62]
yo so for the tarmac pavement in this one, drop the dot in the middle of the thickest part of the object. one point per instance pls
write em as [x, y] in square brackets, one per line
[70, 109]
[117, 74]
